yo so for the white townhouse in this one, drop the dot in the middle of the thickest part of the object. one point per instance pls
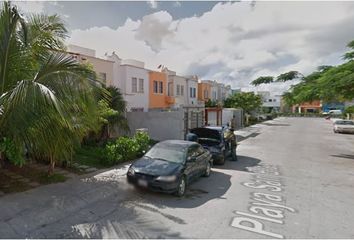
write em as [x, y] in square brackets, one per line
[102, 67]
[192, 95]
[131, 77]
[177, 88]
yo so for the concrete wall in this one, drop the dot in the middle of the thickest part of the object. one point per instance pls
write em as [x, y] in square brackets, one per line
[160, 125]
[228, 113]
[81, 50]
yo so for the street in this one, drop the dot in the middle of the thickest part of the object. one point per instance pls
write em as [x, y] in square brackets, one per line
[294, 179]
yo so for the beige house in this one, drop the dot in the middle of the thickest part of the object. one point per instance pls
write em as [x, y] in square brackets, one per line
[102, 67]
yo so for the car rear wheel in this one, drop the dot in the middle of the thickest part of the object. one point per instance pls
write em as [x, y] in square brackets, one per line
[222, 159]
[207, 170]
[181, 187]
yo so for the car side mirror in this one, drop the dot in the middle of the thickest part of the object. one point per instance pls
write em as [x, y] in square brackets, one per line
[191, 159]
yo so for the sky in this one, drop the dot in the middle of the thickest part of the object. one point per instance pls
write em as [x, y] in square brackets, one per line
[231, 42]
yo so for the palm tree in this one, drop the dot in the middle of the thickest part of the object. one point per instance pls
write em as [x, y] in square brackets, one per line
[117, 103]
[47, 99]
[113, 113]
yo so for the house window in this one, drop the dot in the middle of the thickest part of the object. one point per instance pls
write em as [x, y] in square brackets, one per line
[182, 90]
[161, 87]
[134, 85]
[156, 87]
[141, 85]
[103, 77]
[178, 91]
[194, 92]
[274, 100]
[191, 92]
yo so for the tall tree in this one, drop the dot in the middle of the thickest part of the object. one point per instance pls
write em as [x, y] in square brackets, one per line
[47, 99]
[248, 101]
[112, 113]
[328, 83]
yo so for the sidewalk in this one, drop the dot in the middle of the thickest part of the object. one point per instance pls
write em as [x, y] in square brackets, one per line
[54, 211]
[255, 130]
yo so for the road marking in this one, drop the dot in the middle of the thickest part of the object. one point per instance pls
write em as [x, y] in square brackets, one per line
[259, 217]
[265, 206]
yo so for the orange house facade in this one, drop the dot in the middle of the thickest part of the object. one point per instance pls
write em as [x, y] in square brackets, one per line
[308, 107]
[158, 98]
[204, 91]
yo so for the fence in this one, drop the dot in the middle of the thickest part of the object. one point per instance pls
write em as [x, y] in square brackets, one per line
[159, 125]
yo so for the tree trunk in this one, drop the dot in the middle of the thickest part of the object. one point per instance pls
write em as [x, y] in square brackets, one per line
[2, 162]
[51, 166]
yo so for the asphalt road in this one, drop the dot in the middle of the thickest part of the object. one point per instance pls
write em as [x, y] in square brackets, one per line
[294, 179]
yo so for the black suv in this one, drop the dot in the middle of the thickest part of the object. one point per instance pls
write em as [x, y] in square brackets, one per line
[220, 141]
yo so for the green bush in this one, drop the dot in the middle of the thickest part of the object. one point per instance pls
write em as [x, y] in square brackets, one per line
[143, 141]
[126, 148]
[12, 151]
[111, 155]
[349, 110]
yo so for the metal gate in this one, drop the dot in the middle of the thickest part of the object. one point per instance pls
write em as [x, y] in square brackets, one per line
[193, 118]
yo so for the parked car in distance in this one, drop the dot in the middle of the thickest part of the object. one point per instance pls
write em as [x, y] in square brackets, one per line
[220, 141]
[169, 166]
[343, 126]
[333, 112]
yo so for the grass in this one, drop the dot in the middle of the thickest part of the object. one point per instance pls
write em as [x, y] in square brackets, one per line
[10, 185]
[44, 178]
[90, 156]
[93, 156]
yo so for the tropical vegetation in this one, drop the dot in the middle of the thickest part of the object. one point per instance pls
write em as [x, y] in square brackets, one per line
[327, 83]
[248, 101]
[125, 148]
[49, 102]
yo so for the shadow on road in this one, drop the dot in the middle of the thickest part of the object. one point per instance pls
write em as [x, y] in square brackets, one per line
[243, 163]
[276, 124]
[198, 193]
[242, 138]
[104, 206]
[344, 156]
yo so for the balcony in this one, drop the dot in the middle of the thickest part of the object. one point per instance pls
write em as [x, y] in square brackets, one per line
[169, 100]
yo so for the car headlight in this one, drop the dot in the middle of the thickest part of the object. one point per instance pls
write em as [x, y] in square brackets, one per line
[131, 171]
[171, 178]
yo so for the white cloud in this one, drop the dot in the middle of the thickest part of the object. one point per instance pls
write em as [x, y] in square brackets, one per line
[234, 42]
[30, 6]
[152, 3]
[154, 29]
[177, 4]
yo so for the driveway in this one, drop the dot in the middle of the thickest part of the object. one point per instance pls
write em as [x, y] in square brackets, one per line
[294, 179]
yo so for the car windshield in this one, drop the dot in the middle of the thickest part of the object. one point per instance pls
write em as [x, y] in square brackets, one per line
[168, 152]
[344, 122]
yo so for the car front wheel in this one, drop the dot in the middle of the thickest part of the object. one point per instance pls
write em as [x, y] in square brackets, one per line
[207, 170]
[181, 187]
